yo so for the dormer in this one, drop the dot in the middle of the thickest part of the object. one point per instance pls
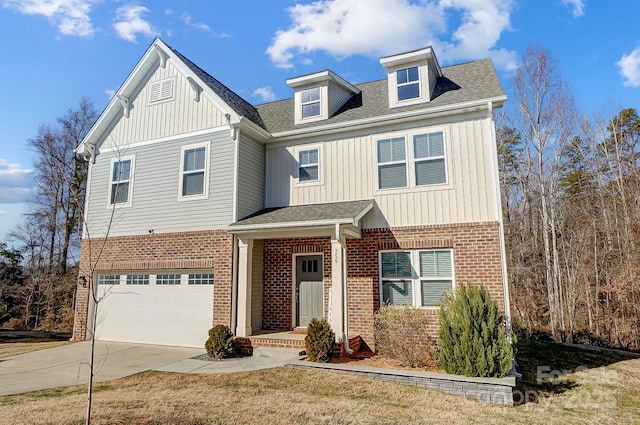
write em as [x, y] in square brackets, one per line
[318, 96]
[411, 76]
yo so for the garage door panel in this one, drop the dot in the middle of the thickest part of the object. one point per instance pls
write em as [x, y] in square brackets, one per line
[178, 315]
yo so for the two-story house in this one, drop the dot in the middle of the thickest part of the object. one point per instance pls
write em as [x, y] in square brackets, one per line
[203, 209]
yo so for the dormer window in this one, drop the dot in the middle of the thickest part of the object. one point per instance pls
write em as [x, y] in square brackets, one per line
[310, 101]
[408, 81]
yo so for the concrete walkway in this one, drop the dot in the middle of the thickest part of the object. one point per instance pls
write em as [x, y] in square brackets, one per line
[69, 364]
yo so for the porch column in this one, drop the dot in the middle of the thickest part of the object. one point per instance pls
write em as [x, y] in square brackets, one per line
[337, 282]
[243, 323]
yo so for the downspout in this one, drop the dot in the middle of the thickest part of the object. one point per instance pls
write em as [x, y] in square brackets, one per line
[345, 314]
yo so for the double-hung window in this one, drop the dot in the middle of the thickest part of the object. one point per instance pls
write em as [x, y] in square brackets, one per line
[421, 163]
[417, 278]
[308, 165]
[310, 101]
[120, 181]
[392, 163]
[194, 171]
[408, 83]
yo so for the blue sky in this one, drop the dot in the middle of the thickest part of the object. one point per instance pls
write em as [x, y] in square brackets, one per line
[56, 51]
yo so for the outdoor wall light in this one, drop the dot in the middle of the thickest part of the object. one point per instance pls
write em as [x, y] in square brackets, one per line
[82, 281]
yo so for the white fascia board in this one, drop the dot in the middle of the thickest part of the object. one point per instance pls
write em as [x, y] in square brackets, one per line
[288, 225]
[320, 77]
[384, 120]
[415, 56]
[248, 126]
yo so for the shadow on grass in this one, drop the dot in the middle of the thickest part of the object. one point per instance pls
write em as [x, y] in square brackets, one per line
[548, 368]
[14, 335]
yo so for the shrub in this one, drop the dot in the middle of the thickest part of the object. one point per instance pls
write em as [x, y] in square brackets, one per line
[402, 334]
[471, 338]
[319, 341]
[220, 344]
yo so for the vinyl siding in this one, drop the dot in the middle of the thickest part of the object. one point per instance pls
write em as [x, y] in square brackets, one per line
[250, 176]
[180, 115]
[350, 167]
[337, 97]
[155, 191]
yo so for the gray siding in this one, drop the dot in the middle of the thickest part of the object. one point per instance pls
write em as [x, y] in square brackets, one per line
[337, 97]
[155, 190]
[251, 176]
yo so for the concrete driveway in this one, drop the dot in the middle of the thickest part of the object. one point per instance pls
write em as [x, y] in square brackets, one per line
[69, 364]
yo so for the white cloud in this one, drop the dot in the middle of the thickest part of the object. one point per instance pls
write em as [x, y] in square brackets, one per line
[3, 212]
[630, 68]
[16, 183]
[186, 18]
[344, 27]
[129, 22]
[110, 93]
[265, 94]
[70, 16]
[578, 7]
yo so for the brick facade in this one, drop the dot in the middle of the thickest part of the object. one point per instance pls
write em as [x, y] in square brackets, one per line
[476, 248]
[211, 249]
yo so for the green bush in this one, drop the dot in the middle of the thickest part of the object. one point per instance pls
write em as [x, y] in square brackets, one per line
[402, 333]
[471, 337]
[220, 344]
[319, 341]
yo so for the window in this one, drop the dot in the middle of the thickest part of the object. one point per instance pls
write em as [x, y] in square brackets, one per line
[392, 163]
[402, 285]
[109, 279]
[194, 171]
[424, 165]
[408, 82]
[168, 279]
[161, 90]
[120, 183]
[310, 101]
[429, 159]
[137, 279]
[201, 279]
[309, 165]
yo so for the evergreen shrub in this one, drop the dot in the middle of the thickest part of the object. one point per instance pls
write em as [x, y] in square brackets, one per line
[220, 344]
[472, 338]
[319, 341]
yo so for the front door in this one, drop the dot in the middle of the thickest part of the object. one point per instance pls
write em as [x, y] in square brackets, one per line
[309, 288]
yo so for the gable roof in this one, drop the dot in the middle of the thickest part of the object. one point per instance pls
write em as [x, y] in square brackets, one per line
[464, 83]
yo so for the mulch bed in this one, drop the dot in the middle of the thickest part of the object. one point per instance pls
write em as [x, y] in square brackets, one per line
[15, 335]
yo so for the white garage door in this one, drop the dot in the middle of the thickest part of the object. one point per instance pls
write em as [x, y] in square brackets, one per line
[161, 308]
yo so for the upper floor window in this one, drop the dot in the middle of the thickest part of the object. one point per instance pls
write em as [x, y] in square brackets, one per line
[392, 163]
[161, 90]
[423, 164]
[310, 101]
[309, 165]
[408, 82]
[416, 278]
[120, 182]
[194, 172]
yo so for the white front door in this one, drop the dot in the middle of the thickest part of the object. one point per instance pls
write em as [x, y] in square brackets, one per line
[309, 288]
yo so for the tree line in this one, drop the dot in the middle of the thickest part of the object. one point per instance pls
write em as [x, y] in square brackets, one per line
[570, 187]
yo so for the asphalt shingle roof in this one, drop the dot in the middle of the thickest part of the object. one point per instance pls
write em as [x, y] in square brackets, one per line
[305, 213]
[465, 82]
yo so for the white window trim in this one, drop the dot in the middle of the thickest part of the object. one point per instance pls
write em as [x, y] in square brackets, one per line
[409, 83]
[132, 173]
[415, 275]
[207, 156]
[319, 102]
[405, 162]
[160, 83]
[153, 276]
[320, 180]
[423, 85]
[411, 162]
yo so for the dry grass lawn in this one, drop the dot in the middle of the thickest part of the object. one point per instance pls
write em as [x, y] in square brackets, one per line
[9, 349]
[296, 396]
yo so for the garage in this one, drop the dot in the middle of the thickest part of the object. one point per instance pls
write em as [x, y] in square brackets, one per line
[163, 308]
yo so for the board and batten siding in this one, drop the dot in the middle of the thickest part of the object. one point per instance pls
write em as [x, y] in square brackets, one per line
[350, 173]
[155, 190]
[250, 176]
[182, 114]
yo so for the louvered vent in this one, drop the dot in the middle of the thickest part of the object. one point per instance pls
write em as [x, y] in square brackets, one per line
[161, 90]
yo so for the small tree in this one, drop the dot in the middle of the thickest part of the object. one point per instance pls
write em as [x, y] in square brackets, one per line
[319, 341]
[471, 338]
[220, 344]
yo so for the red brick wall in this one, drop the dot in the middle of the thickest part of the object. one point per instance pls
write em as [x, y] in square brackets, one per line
[277, 279]
[476, 249]
[186, 250]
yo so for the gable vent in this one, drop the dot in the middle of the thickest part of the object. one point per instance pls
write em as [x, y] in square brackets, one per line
[161, 90]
